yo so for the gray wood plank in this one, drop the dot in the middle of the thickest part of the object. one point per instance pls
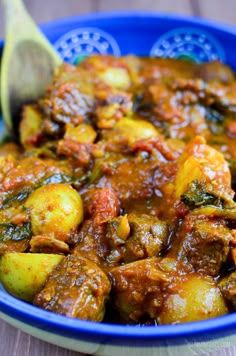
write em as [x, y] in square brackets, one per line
[223, 11]
[54, 9]
[17, 343]
[179, 6]
[229, 351]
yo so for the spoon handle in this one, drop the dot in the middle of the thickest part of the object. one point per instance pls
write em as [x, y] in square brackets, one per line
[28, 62]
[14, 11]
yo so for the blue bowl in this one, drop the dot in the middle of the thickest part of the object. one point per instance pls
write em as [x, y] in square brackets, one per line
[140, 33]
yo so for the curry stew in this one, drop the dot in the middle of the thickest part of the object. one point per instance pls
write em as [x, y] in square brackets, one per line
[118, 203]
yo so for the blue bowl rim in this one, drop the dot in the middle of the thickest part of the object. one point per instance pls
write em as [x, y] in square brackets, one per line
[37, 317]
[141, 14]
[195, 20]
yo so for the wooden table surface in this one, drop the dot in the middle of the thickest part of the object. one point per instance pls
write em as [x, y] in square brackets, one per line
[13, 342]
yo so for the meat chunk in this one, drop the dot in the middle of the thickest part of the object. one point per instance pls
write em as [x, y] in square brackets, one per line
[227, 286]
[204, 244]
[79, 152]
[148, 237]
[144, 236]
[69, 98]
[137, 289]
[77, 288]
[90, 242]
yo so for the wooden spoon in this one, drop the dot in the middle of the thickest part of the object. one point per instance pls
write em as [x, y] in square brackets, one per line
[28, 63]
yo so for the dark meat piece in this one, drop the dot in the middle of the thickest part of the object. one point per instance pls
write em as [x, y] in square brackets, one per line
[137, 289]
[77, 288]
[90, 242]
[208, 94]
[141, 236]
[122, 239]
[69, 98]
[227, 286]
[148, 237]
[79, 152]
[204, 244]
[116, 234]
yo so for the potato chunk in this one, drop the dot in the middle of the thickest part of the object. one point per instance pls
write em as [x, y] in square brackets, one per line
[134, 130]
[203, 163]
[82, 133]
[192, 298]
[204, 244]
[24, 274]
[55, 209]
[116, 77]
